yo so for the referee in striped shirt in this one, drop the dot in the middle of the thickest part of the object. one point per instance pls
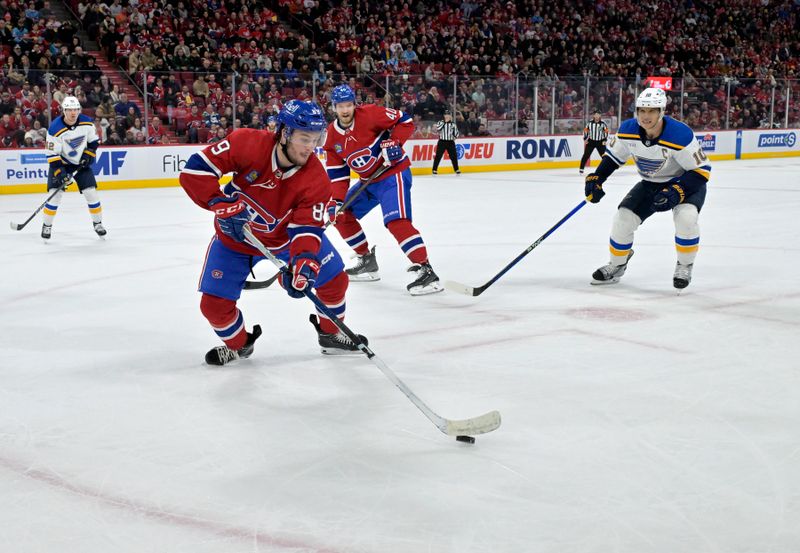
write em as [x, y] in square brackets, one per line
[448, 132]
[594, 136]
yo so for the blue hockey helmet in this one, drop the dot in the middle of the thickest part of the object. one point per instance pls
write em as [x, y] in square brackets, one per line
[302, 116]
[342, 93]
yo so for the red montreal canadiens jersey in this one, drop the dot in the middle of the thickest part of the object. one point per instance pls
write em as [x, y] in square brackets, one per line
[359, 147]
[286, 206]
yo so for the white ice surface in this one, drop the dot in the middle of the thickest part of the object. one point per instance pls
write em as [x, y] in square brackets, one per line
[634, 419]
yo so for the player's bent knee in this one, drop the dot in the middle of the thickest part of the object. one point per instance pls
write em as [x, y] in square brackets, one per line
[217, 310]
[333, 291]
[625, 221]
[685, 217]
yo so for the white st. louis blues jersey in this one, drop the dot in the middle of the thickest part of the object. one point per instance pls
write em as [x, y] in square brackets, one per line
[663, 159]
[67, 144]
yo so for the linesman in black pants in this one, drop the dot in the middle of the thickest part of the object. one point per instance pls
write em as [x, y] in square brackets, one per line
[594, 136]
[448, 132]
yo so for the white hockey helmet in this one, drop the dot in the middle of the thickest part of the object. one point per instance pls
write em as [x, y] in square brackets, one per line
[652, 98]
[70, 102]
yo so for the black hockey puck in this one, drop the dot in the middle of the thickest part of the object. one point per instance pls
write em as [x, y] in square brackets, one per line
[465, 439]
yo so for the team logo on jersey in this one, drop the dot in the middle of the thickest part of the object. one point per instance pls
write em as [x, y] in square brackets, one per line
[649, 167]
[261, 220]
[362, 161]
[74, 143]
[251, 176]
[217, 274]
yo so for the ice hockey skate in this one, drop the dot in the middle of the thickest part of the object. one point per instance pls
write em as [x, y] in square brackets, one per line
[222, 355]
[610, 274]
[99, 229]
[47, 231]
[337, 343]
[365, 269]
[426, 281]
[682, 276]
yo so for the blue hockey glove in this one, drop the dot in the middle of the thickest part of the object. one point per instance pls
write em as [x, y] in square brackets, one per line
[668, 197]
[392, 151]
[232, 215]
[593, 188]
[304, 270]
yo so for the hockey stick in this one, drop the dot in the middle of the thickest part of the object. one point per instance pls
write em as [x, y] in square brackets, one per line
[259, 284]
[467, 427]
[20, 226]
[477, 291]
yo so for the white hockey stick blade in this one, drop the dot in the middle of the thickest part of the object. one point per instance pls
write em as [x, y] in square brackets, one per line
[460, 288]
[471, 427]
[14, 226]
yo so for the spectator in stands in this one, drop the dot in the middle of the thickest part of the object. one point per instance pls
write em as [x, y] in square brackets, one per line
[482, 131]
[37, 134]
[478, 96]
[210, 116]
[200, 87]
[105, 109]
[95, 97]
[102, 125]
[114, 139]
[156, 131]
[115, 94]
[218, 136]
[124, 107]
[194, 122]
[7, 103]
[471, 124]
[148, 58]
[172, 89]
[136, 126]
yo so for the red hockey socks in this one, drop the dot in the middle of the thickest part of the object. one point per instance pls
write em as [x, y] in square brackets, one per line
[350, 229]
[226, 320]
[409, 239]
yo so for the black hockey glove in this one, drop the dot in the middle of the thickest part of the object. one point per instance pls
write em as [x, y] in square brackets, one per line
[86, 160]
[62, 178]
[668, 197]
[593, 188]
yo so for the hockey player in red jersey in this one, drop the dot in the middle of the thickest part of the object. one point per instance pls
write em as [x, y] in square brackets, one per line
[368, 139]
[281, 190]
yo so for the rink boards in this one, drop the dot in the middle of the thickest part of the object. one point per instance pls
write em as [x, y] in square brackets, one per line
[25, 171]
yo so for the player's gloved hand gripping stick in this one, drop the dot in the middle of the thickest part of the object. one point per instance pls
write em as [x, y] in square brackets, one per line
[460, 428]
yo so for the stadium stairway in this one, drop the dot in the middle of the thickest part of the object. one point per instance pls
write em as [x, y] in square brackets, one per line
[115, 76]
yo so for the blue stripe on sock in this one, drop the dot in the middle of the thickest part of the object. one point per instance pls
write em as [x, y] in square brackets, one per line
[225, 334]
[412, 244]
[357, 239]
[687, 241]
[620, 246]
[338, 311]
